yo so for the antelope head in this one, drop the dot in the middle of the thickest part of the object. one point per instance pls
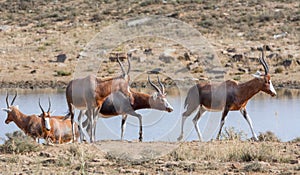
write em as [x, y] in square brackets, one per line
[10, 109]
[265, 78]
[158, 99]
[45, 116]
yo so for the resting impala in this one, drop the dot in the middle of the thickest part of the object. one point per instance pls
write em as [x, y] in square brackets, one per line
[227, 96]
[118, 104]
[55, 128]
[90, 92]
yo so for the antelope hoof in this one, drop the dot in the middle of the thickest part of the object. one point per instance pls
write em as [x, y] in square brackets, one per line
[179, 138]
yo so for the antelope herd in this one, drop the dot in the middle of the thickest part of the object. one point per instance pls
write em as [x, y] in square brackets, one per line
[110, 97]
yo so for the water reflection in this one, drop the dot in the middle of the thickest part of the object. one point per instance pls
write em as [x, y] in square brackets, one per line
[279, 115]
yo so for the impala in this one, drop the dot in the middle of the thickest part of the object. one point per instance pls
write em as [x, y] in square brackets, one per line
[90, 92]
[118, 104]
[227, 96]
[55, 128]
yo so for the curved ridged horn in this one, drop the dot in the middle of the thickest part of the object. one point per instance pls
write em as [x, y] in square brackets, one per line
[41, 106]
[12, 102]
[121, 65]
[263, 62]
[153, 85]
[7, 104]
[129, 65]
[161, 85]
[49, 105]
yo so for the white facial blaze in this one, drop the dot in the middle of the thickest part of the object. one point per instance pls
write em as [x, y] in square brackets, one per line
[47, 124]
[272, 89]
[167, 104]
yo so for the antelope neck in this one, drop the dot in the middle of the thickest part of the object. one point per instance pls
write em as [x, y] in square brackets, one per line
[141, 100]
[249, 89]
[20, 119]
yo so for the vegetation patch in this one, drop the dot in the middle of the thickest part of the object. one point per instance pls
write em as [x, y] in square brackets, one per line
[18, 142]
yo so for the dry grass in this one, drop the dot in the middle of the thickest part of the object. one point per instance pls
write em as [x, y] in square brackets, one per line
[19, 143]
[227, 151]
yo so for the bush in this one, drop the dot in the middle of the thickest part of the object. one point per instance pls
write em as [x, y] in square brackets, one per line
[18, 142]
[268, 136]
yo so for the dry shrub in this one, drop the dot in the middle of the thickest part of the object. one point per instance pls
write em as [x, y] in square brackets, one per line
[18, 142]
[232, 134]
[296, 140]
[268, 136]
[233, 150]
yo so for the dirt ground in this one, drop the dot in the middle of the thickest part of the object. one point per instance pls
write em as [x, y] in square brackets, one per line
[35, 35]
[116, 157]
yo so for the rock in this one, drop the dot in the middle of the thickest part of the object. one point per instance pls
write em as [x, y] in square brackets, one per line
[148, 51]
[243, 70]
[171, 164]
[236, 165]
[33, 71]
[237, 57]
[192, 66]
[155, 71]
[287, 63]
[167, 56]
[186, 56]
[61, 58]
[231, 50]
[141, 59]
[44, 154]
[228, 65]
[294, 161]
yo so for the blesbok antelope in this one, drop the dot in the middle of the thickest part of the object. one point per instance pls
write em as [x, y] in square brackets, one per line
[118, 104]
[89, 93]
[227, 96]
[55, 128]
[30, 124]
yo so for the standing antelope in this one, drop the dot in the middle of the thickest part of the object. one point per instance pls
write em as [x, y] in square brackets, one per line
[30, 124]
[118, 104]
[89, 93]
[56, 128]
[227, 96]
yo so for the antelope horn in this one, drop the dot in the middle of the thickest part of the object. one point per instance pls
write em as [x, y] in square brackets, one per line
[161, 85]
[12, 102]
[41, 106]
[153, 85]
[49, 105]
[121, 65]
[129, 65]
[263, 62]
[7, 100]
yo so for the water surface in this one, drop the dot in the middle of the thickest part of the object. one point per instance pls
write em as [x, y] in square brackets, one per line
[281, 115]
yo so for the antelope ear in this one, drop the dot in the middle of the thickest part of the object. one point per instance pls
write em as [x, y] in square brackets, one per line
[154, 95]
[17, 106]
[257, 74]
[6, 110]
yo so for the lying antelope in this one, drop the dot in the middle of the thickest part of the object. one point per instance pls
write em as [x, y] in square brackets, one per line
[118, 104]
[55, 128]
[89, 93]
[227, 96]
